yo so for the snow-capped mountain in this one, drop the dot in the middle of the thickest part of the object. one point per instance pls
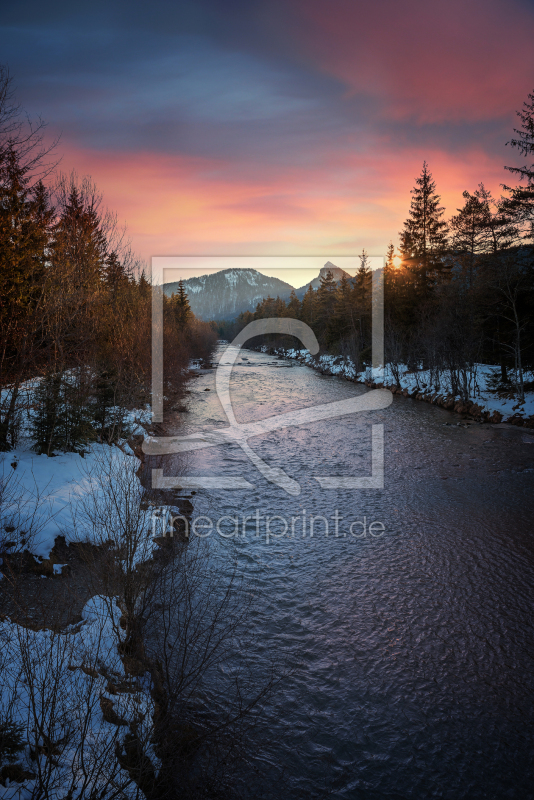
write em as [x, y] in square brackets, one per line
[225, 294]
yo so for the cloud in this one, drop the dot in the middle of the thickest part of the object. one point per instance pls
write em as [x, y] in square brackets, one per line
[180, 205]
[427, 62]
[283, 126]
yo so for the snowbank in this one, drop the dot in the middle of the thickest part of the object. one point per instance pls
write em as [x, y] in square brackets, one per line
[481, 380]
[43, 491]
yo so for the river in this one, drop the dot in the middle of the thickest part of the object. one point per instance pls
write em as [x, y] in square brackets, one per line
[410, 652]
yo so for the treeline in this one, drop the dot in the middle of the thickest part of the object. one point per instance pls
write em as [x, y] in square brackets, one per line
[457, 293]
[75, 304]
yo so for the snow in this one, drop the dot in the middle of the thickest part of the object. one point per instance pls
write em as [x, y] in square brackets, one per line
[67, 674]
[479, 379]
[480, 383]
[42, 492]
[232, 277]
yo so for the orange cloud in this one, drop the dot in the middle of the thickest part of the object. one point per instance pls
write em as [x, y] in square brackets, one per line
[177, 205]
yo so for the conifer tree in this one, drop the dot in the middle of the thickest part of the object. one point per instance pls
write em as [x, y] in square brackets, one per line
[24, 222]
[341, 325]
[114, 273]
[470, 231]
[293, 306]
[308, 306]
[521, 201]
[62, 418]
[181, 307]
[390, 254]
[363, 276]
[424, 236]
[389, 275]
[80, 243]
[325, 302]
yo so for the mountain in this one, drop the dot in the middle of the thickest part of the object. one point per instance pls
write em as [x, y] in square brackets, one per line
[225, 294]
[337, 273]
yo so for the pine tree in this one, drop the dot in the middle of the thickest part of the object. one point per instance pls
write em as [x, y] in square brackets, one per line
[114, 273]
[389, 276]
[521, 201]
[341, 325]
[390, 255]
[363, 277]
[80, 244]
[46, 419]
[294, 306]
[308, 306]
[181, 307]
[470, 232]
[63, 417]
[424, 236]
[24, 235]
[325, 301]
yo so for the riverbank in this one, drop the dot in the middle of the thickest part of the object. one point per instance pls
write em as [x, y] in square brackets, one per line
[78, 558]
[488, 403]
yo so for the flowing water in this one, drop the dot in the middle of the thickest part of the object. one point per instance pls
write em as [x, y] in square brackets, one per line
[410, 653]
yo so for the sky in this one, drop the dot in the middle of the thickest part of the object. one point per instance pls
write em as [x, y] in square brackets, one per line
[273, 127]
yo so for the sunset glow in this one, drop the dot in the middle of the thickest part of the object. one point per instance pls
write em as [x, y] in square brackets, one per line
[304, 134]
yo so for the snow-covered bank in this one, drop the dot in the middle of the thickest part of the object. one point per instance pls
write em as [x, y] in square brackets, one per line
[40, 492]
[71, 702]
[486, 402]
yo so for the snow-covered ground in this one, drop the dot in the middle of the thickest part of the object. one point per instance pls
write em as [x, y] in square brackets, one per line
[43, 492]
[481, 382]
[55, 687]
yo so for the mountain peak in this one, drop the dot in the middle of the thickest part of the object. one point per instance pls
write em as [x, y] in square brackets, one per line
[337, 272]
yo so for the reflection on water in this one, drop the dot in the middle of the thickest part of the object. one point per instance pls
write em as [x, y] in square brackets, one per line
[413, 651]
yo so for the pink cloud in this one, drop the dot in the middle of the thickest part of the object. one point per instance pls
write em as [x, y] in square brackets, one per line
[177, 205]
[431, 62]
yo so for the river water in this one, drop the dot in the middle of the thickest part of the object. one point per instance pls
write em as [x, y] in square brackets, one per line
[409, 653]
